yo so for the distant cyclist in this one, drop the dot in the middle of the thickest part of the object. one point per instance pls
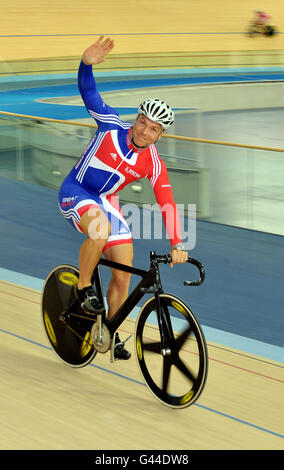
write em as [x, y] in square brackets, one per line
[261, 17]
[118, 154]
[261, 24]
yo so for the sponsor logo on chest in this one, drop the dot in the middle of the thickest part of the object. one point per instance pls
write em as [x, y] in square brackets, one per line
[132, 172]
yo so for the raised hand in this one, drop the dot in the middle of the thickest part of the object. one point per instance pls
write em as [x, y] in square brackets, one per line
[96, 52]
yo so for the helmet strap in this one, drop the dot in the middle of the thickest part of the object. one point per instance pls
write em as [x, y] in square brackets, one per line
[137, 146]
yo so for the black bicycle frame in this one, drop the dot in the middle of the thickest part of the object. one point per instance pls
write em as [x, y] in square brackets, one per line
[149, 284]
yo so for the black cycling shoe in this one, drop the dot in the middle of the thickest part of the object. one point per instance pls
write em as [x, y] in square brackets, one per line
[89, 301]
[119, 350]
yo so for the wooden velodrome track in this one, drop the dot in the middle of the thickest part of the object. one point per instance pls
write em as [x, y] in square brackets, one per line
[47, 28]
[47, 405]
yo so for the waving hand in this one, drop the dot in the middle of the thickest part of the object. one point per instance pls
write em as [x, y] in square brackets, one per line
[96, 52]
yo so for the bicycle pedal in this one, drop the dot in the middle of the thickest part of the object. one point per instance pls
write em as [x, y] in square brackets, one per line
[113, 345]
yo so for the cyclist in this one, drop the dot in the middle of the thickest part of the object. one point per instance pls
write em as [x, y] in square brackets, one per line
[260, 24]
[119, 153]
[261, 18]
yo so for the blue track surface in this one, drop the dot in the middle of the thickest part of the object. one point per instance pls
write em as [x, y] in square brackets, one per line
[23, 97]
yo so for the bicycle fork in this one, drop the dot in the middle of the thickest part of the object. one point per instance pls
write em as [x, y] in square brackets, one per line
[165, 327]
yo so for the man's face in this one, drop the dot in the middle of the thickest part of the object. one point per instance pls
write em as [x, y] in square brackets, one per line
[146, 131]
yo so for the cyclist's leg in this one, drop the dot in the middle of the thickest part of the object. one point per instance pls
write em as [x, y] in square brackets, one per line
[118, 289]
[119, 284]
[119, 248]
[96, 226]
[100, 218]
[86, 213]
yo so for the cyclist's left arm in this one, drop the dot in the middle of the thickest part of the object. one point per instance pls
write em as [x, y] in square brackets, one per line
[164, 197]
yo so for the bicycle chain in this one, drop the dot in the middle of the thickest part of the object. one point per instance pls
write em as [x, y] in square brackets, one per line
[82, 316]
[75, 332]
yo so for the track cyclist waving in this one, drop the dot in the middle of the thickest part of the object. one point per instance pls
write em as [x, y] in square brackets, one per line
[118, 154]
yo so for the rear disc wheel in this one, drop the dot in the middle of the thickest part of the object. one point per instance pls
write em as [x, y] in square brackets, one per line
[68, 334]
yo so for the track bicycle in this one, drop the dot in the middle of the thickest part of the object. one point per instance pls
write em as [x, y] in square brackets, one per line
[263, 29]
[169, 342]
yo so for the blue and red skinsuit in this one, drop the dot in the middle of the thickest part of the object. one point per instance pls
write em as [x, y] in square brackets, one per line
[108, 164]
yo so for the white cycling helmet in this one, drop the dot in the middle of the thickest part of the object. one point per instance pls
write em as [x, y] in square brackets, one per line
[158, 111]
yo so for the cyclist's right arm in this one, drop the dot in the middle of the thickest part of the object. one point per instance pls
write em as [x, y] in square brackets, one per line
[90, 95]
[93, 55]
